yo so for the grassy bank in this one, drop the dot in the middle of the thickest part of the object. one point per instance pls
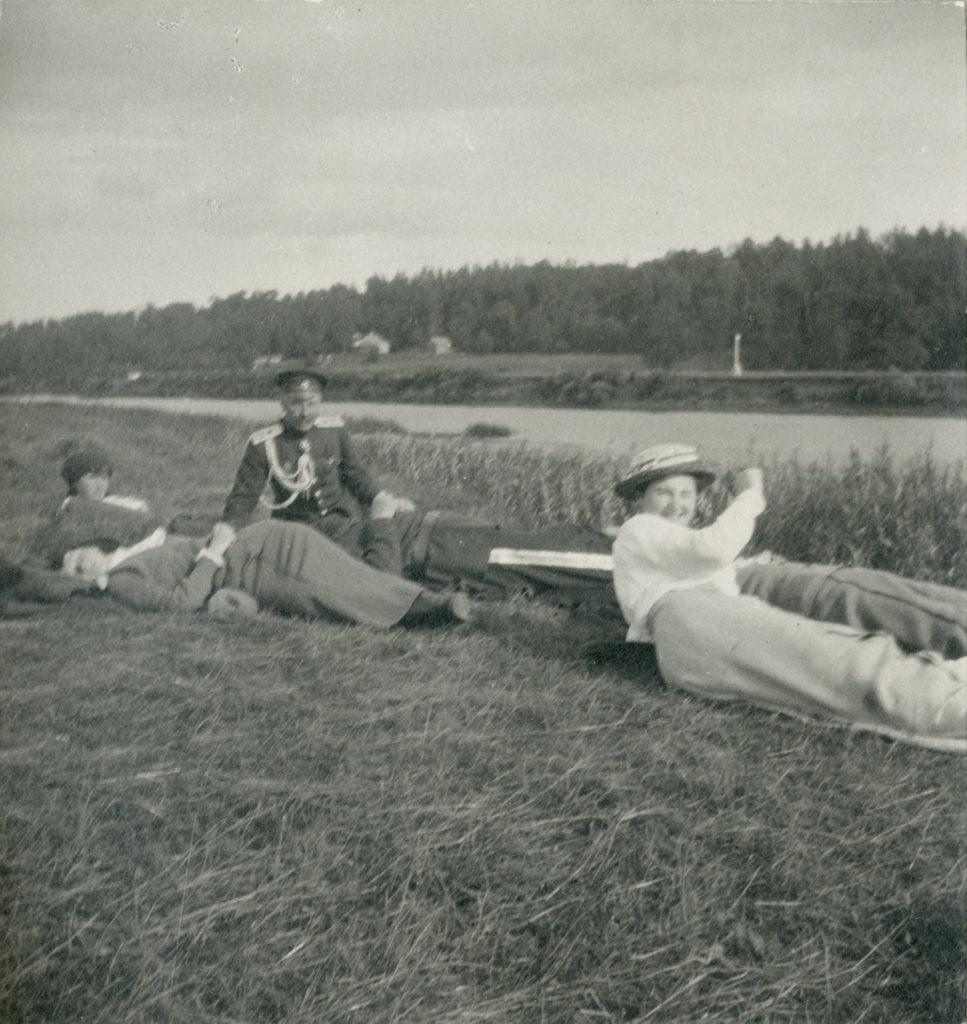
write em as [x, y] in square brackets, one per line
[550, 381]
[280, 821]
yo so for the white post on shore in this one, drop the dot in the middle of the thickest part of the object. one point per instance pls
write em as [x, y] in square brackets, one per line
[736, 356]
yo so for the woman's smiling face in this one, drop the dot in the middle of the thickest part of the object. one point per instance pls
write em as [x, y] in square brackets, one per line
[674, 497]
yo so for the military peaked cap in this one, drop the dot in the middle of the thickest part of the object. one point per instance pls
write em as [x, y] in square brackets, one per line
[300, 380]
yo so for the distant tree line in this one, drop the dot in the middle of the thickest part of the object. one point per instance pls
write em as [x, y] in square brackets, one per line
[851, 304]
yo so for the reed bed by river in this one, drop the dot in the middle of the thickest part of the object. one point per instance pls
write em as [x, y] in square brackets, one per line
[909, 518]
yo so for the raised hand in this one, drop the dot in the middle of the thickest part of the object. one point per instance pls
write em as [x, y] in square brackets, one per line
[749, 479]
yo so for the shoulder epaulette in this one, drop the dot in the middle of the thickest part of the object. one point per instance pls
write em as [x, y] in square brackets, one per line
[265, 434]
[329, 421]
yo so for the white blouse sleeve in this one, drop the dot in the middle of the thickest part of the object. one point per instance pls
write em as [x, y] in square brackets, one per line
[678, 551]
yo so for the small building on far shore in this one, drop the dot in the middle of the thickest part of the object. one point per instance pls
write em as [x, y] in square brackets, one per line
[371, 342]
[259, 362]
[440, 345]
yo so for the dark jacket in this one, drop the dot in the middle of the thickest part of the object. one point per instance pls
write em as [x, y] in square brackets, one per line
[336, 484]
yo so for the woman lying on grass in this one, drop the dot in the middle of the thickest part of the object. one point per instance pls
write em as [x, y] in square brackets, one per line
[677, 588]
[281, 567]
[94, 533]
[89, 515]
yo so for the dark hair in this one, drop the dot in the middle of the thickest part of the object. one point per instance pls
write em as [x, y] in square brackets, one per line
[81, 463]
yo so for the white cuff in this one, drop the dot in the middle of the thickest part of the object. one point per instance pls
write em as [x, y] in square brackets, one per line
[212, 556]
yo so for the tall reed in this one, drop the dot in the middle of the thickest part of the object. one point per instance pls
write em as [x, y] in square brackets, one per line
[909, 518]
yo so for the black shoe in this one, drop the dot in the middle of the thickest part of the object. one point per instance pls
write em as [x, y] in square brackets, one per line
[10, 574]
[438, 610]
[10, 609]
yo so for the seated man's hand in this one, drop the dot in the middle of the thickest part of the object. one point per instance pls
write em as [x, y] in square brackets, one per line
[386, 505]
[222, 538]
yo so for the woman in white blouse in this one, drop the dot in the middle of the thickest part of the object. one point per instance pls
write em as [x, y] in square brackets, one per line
[677, 588]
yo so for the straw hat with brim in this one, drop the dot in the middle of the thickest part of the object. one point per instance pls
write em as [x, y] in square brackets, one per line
[300, 380]
[660, 461]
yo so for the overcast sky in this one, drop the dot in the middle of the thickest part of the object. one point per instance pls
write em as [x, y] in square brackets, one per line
[161, 152]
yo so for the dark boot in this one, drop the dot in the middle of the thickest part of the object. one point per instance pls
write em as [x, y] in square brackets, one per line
[10, 574]
[437, 610]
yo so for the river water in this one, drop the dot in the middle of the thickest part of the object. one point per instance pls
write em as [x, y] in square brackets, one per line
[729, 436]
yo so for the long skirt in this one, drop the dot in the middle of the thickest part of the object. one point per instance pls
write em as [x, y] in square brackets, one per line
[739, 648]
[293, 570]
[920, 616]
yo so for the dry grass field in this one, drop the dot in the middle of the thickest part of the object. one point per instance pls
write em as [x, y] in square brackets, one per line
[279, 821]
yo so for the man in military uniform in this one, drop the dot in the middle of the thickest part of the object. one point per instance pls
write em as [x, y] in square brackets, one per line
[316, 479]
[314, 474]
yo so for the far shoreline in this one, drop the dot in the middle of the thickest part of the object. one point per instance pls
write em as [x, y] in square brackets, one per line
[754, 408]
[729, 435]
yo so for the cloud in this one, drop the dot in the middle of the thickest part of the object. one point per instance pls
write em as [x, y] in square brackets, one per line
[201, 145]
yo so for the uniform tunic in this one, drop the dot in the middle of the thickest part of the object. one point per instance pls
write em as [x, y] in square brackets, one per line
[335, 487]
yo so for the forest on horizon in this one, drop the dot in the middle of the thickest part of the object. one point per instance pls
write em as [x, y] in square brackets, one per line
[855, 303]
